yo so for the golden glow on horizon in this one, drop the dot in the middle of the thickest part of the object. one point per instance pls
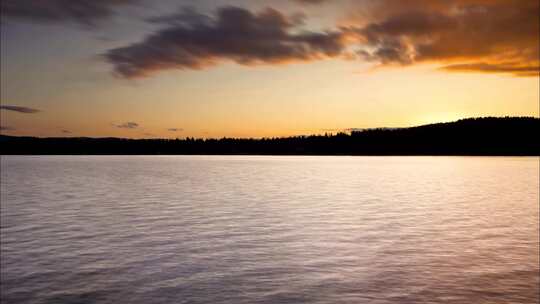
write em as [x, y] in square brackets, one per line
[294, 100]
[425, 71]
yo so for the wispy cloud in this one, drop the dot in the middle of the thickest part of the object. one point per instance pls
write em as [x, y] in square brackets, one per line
[175, 129]
[127, 125]
[514, 68]
[18, 109]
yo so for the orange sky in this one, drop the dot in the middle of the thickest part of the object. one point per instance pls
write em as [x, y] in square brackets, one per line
[263, 68]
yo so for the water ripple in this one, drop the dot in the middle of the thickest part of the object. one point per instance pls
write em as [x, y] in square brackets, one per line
[249, 229]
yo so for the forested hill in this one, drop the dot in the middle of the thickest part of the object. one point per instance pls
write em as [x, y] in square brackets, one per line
[472, 136]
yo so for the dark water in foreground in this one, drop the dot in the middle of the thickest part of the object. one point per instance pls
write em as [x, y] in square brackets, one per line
[235, 229]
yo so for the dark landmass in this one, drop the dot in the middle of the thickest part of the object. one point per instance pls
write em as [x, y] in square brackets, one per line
[472, 136]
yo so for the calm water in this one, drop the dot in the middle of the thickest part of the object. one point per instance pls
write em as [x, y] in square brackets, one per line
[250, 229]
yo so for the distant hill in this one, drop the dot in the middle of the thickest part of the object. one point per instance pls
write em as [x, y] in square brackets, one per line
[472, 136]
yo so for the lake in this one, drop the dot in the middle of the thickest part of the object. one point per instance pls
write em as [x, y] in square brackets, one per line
[269, 229]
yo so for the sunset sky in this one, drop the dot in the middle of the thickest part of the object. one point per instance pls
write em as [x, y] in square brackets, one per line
[208, 68]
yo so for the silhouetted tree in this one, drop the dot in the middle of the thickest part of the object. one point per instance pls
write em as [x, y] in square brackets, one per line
[473, 136]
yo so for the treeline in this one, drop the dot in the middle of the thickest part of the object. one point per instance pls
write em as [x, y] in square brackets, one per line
[472, 136]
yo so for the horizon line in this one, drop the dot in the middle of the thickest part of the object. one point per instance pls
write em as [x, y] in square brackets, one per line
[345, 131]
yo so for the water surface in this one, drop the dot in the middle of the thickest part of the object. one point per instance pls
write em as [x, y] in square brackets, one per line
[260, 229]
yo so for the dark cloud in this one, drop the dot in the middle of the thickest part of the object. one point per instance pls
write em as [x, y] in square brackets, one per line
[491, 36]
[474, 35]
[186, 16]
[128, 125]
[86, 12]
[193, 41]
[18, 109]
[175, 129]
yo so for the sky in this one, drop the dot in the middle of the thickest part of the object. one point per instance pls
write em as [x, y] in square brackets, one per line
[211, 68]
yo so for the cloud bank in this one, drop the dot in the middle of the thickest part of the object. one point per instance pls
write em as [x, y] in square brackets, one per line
[496, 36]
[464, 35]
